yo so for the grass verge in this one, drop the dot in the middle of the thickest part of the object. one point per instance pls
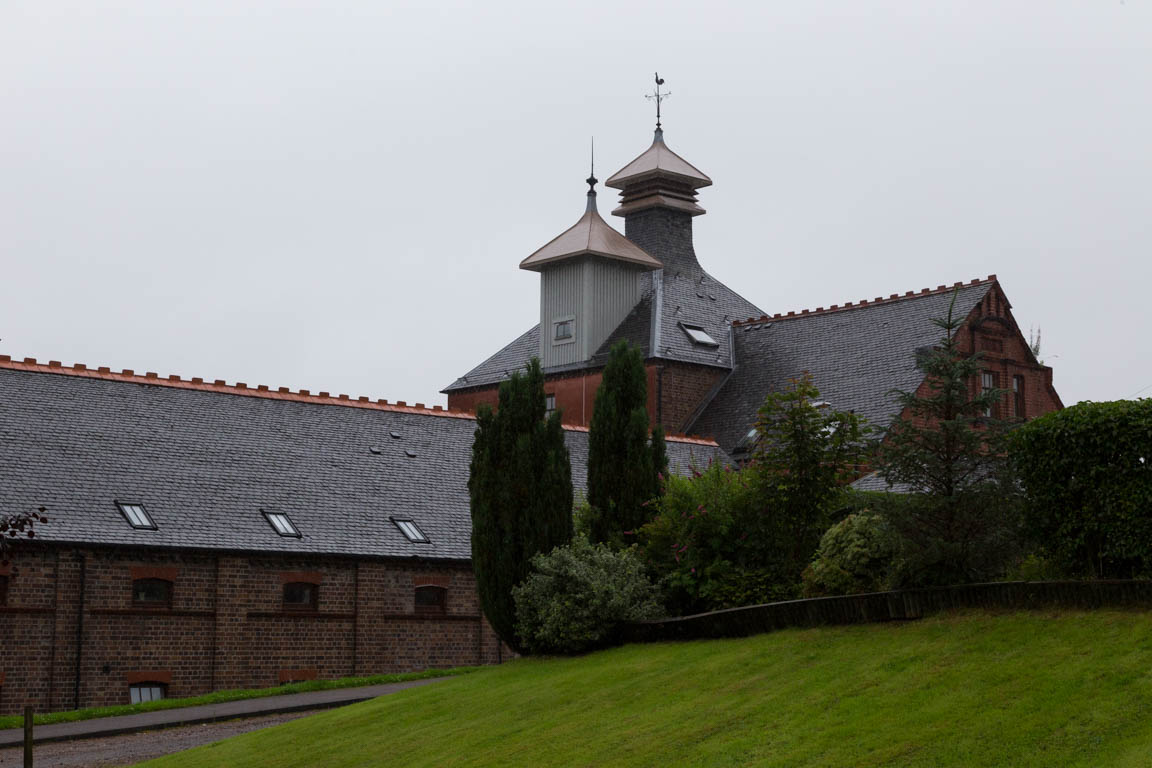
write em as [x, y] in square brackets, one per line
[219, 697]
[1028, 690]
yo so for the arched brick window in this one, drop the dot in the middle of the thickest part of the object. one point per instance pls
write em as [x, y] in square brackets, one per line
[431, 599]
[152, 593]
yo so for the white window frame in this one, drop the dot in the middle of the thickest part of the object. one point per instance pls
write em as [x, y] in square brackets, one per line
[282, 524]
[142, 693]
[136, 515]
[556, 321]
[549, 403]
[410, 530]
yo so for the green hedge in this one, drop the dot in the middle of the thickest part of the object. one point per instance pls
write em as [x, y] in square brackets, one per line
[1087, 475]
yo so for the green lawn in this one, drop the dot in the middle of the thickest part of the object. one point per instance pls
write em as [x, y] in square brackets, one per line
[1027, 689]
[219, 697]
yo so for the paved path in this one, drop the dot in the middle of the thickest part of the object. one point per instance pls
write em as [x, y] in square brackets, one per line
[166, 718]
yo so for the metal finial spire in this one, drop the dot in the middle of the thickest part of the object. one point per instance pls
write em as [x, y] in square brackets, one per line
[658, 97]
[591, 180]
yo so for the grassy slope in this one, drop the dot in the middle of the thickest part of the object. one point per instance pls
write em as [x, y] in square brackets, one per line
[971, 690]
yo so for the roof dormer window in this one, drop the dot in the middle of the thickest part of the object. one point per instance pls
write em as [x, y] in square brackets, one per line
[699, 335]
[136, 516]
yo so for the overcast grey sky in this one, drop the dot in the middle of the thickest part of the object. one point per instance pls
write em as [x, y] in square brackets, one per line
[335, 195]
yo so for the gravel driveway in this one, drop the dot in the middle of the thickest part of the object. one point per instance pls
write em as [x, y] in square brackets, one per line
[130, 748]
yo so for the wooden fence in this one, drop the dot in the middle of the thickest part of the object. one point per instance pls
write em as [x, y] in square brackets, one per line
[894, 606]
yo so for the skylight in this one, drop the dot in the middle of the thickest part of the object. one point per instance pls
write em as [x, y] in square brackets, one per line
[410, 530]
[281, 524]
[136, 516]
[699, 335]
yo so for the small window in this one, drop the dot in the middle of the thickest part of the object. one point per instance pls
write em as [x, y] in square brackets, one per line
[988, 384]
[3, 590]
[431, 599]
[564, 330]
[410, 530]
[152, 593]
[549, 404]
[1018, 397]
[699, 335]
[281, 524]
[301, 596]
[136, 516]
[144, 692]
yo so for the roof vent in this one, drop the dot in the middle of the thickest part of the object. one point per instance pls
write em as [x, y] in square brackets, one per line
[375, 449]
[395, 435]
[409, 453]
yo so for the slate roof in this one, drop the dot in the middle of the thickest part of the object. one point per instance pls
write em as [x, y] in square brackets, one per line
[856, 355]
[685, 296]
[205, 459]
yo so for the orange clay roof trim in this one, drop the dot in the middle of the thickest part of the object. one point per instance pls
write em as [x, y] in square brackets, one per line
[862, 303]
[219, 386]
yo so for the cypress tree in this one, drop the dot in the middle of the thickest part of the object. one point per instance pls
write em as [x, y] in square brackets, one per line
[520, 487]
[623, 464]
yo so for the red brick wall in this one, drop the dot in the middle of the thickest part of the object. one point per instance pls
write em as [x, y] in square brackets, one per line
[992, 330]
[226, 627]
[675, 390]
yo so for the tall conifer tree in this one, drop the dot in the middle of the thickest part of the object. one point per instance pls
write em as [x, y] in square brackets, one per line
[623, 462]
[520, 489]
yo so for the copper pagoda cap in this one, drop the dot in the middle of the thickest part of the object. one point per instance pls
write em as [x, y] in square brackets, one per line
[658, 161]
[590, 236]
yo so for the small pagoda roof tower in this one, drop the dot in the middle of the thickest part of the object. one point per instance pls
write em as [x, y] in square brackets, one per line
[658, 178]
[590, 236]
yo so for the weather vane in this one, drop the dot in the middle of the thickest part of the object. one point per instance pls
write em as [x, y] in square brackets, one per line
[658, 97]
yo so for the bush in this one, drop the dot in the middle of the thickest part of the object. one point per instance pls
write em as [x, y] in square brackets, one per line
[578, 595]
[969, 537]
[854, 556]
[702, 539]
[1087, 476]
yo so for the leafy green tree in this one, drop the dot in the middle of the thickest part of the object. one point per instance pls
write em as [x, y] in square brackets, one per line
[625, 461]
[805, 454]
[724, 538]
[1086, 472]
[944, 442]
[520, 487]
[962, 522]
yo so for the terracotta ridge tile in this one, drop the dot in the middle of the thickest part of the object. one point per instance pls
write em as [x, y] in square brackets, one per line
[757, 321]
[220, 386]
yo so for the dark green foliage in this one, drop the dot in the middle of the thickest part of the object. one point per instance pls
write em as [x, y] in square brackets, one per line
[696, 544]
[578, 595]
[942, 443]
[624, 464]
[962, 523]
[1087, 476]
[725, 538]
[805, 454]
[520, 489]
[854, 556]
